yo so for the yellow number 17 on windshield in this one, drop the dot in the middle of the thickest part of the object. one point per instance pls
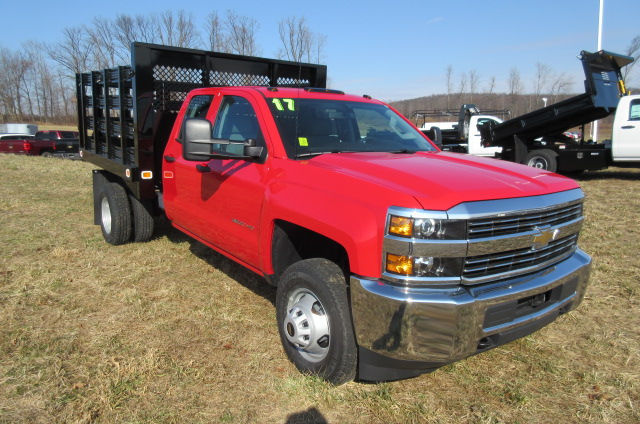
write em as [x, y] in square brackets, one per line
[291, 106]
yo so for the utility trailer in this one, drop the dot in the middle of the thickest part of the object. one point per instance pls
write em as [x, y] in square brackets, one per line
[536, 138]
[125, 114]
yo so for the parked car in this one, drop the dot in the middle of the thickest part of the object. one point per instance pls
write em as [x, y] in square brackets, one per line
[25, 144]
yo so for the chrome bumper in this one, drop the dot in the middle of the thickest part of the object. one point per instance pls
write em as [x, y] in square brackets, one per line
[437, 326]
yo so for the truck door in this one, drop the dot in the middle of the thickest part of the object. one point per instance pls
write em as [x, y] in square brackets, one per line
[626, 131]
[223, 205]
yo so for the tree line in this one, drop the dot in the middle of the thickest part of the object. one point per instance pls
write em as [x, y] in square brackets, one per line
[37, 80]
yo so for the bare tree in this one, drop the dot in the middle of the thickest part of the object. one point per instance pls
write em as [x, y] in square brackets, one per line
[295, 37]
[473, 82]
[299, 43]
[320, 42]
[515, 88]
[176, 29]
[632, 50]
[560, 85]
[215, 33]
[448, 76]
[101, 37]
[515, 82]
[541, 78]
[127, 29]
[241, 33]
[73, 51]
[462, 87]
[492, 85]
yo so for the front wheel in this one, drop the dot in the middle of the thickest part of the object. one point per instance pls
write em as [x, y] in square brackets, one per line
[542, 159]
[314, 320]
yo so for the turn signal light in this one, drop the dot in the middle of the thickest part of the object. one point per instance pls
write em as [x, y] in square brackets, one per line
[397, 264]
[401, 226]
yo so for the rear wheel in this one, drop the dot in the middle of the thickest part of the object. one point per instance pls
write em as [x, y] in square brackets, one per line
[542, 159]
[314, 320]
[115, 214]
[142, 220]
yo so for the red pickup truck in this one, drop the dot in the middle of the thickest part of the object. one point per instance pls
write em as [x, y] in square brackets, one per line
[45, 143]
[390, 257]
[25, 144]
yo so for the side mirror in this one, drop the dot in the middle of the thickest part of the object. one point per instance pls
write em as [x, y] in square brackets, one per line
[251, 150]
[197, 140]
[198, 144]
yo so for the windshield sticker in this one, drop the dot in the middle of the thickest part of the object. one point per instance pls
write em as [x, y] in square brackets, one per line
[303, 141]
[278, 104]
[290, 104]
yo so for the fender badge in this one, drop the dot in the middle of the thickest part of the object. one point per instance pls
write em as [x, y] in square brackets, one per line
[543, 236]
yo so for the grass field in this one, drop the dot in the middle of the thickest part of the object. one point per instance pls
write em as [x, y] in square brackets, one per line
[171, 332]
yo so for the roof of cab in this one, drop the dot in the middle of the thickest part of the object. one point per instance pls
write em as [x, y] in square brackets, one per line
[311, 93]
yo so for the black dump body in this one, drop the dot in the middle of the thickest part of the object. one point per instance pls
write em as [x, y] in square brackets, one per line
[603, 88]
[125, 114]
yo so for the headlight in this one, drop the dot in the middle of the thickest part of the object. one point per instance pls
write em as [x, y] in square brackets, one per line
[427, 228]
[423, 266]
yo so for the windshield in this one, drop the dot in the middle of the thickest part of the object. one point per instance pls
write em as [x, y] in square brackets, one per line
[310, 127]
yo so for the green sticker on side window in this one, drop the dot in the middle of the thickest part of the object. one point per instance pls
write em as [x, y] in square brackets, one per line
[303, 141]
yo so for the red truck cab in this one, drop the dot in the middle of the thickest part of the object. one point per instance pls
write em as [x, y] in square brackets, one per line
[391, 258]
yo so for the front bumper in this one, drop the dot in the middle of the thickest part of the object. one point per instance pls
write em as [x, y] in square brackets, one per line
[419, 328]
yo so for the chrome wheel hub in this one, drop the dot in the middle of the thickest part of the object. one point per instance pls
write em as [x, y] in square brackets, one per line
[306, 325]
[105, 214]
[538, 162]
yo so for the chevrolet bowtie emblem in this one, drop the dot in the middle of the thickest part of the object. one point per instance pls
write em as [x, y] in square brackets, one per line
[542, 237]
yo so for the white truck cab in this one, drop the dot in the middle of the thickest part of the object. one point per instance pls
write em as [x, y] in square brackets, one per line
[468, 140]
[625, 134]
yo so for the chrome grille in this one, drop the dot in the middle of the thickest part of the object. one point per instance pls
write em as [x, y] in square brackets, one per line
[518, 260]
[519, 223]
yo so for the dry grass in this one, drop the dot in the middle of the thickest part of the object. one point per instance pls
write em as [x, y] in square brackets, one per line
[43, 126]
[168, 331]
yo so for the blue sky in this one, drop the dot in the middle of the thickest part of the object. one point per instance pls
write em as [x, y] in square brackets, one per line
[389, 49]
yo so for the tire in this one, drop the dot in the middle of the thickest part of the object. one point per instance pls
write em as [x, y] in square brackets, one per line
[542, 159]
[115, 214]
[314, 320]
[47, 154]
[142, 221]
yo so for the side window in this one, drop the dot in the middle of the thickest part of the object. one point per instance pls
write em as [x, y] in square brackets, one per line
[634, 110]
[197, 108]
[236, 121]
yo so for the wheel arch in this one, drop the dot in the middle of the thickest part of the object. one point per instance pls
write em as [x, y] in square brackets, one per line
[291, 243]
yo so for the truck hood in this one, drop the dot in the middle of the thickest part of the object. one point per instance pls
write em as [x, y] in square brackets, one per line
[441, 180]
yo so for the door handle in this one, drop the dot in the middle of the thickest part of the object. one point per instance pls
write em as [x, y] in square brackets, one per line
[169, 158]
[203, 168]
[628, 127]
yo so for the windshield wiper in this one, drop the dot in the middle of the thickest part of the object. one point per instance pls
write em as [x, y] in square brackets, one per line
[308, 154]
[403, 151]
